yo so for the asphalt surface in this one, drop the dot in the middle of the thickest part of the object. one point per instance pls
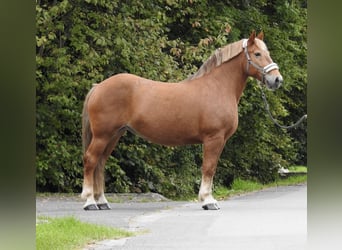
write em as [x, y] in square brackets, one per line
[272, 219]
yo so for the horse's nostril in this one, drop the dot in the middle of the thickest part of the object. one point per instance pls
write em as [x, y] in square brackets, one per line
[279, 80]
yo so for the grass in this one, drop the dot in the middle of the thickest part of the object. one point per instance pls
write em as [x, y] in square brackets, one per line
[69, 233]
[298, 169]
[240, 186]
[292, 180]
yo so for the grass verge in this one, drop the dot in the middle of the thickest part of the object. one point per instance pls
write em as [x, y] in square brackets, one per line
[240, 186]
[69, 233]
[298, 169]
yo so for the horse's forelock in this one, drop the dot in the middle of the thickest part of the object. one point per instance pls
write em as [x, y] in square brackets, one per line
[261, 44]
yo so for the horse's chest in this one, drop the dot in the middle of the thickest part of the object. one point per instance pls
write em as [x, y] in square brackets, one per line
[222, 119]
[230, 120]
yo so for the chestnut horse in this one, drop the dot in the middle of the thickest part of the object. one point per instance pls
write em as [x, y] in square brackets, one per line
[202, 109]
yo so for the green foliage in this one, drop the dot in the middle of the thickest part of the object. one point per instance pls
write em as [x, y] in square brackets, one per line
[79, 43]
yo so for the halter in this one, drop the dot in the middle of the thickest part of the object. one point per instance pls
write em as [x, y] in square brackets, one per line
[262, 70]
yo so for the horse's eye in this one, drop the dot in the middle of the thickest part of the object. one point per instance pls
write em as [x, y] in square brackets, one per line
[257, 54]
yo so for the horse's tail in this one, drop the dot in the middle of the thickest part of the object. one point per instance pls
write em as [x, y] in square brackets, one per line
[86, 131]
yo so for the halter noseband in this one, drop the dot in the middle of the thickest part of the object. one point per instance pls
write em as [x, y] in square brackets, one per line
[262, 70]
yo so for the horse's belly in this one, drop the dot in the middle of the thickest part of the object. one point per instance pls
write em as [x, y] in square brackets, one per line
[169, 132]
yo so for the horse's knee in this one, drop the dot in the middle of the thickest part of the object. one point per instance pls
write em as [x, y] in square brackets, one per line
[208, 172]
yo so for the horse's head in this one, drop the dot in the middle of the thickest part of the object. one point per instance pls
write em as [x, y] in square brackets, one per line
[259, 63]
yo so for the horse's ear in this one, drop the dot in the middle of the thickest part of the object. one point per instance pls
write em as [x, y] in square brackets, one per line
[251, 38]
[261, 35]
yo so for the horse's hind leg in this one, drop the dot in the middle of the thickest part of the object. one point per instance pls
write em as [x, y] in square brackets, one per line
[91, 159]
[211, 152]
[100, 198]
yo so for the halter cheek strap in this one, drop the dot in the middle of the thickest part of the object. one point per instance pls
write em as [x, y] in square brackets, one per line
[262, 70]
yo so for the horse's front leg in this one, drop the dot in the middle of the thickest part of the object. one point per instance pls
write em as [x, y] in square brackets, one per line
[212, 149]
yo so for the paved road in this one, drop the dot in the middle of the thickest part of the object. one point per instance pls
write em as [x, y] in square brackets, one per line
[273, 219]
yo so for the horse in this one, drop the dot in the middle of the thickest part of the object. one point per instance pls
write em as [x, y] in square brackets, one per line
[202, 109]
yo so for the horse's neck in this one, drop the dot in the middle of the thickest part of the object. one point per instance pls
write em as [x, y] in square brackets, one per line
[229, 78]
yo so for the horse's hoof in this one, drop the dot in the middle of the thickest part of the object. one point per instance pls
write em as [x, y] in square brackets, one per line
[211, 206]
[104, 206]
[91, 207]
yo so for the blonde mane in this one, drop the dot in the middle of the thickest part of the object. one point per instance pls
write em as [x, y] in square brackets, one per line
[220, 56]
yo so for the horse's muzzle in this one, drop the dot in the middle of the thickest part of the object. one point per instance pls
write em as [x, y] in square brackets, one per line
[273, 82]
